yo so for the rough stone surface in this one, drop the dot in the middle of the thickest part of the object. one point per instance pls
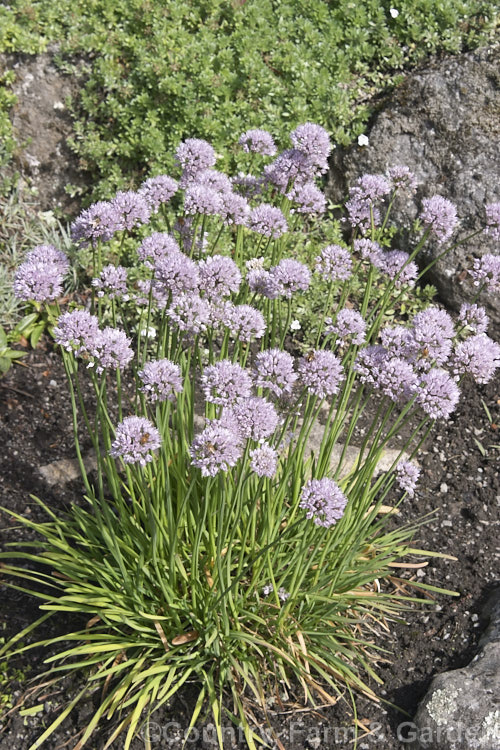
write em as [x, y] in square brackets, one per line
[461, 710]
[443, 122]
[65, 470]
[42, 124]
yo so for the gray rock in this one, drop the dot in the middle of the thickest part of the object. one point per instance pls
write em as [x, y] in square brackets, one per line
[443, 122]
[461, 708]
[66, 469]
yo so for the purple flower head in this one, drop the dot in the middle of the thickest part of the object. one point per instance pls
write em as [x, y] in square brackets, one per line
[185, 226]
[402, 178]
[199, 199]
[98, 222]
[308, 198]
[263, 282]
[396, 379]
[156, 246]
[225, 383]
[110, 348]
[433, 332]
[473, 317]
[214, 180]
[400, 342]
[194, 155]
[48, 255]
[493, 220]
[324, 501]
[273, 369]
[264, 461]
[161, 380]
[438, 393]
[216, 449]
[159, 294]
[486, 271]
[407, 474]
[369, 250]
[111, 281]
[368, 364]
[158, 190]
[245, 322]
[291, 166]
[38, 281]
[131, 209]
[258, 142]
[349, 324]
[321, 372]
[267, 220]
[372, 187]
[313, 141]
[255, 417]
[478, 356]
[219, 276]
[439, 215]
[234, 210]
[291, 276]
[135, 438]
[76, 331]
[361, 213]
[248, 185]
[177, 273]
[395, 264]
[334, 263]
[190, 313]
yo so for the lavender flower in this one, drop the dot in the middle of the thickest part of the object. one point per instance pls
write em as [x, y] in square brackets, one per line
[267, 220]
[362, 196]
[256, 418]
[349, 324]
[186, 227]
[158, 190]
[291, 276]
[313, 141]
[433, 332]
[177, 273]
[369, 250]
[199, 199]
[395, 264]
[493, 220]
[38, 281]
[439, 215]
[248, 185]
[158, 292]
[368, 364]
[273, 369]
[396, 379]
[321, 373]
[111, 281]
[234, 209]
[373, 187]
[400, 342]
[478, 356]
[245, 322]
[267, 589]
[48, 255]
[258, 142]
[215, 180]
[283, 594]
[291, 166]
[190, 313]
[486, 271]
[98, 222]
[264, 461]
[76, 331]
[216, 449]
[334, 263]
[308, 198]
[407, 474]
[194, 155]
[110, 348]
[263, 282]
[473, 317]
[156, 246]
[161, 380]
[131, 209]
[402, 178]
[324, 501]
[219, 276]
[135, 438]
[225, 383]
[438, 394]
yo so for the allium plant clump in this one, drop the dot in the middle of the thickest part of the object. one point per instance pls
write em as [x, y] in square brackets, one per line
[214, 546]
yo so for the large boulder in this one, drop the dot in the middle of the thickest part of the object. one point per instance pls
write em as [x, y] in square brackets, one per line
[443, 122]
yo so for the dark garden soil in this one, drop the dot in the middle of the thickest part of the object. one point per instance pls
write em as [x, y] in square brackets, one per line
[460, 483]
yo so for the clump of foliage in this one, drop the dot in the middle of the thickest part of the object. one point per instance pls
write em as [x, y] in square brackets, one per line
[214, 545]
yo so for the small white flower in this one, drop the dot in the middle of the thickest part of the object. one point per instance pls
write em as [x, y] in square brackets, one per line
[363, 140]
[295, 325]
[255, 264]
[149, 332]
[394, 13]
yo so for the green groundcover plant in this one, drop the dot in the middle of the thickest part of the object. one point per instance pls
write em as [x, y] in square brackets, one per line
[213, 546]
